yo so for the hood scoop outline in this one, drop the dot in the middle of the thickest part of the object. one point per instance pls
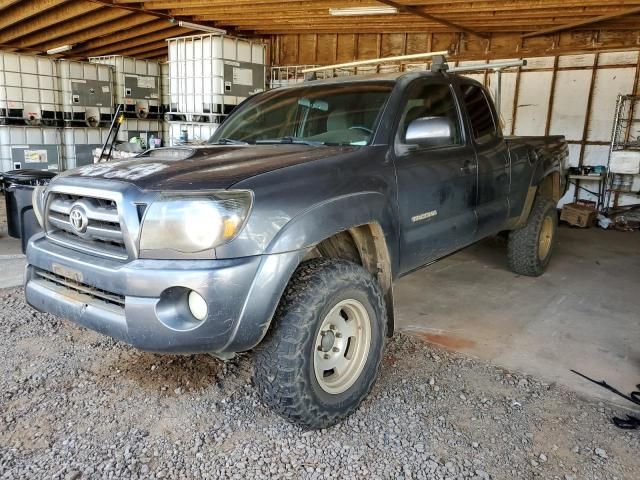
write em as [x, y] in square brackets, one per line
[168, 153]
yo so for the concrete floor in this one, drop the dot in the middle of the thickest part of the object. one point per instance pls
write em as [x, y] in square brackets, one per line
[11, 258]
[582, 314]
[11, 262]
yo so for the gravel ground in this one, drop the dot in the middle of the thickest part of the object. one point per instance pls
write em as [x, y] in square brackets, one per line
[3, 216]
[74, 404]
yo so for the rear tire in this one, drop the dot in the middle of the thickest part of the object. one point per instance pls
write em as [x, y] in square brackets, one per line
[530, 247]
[322, 355]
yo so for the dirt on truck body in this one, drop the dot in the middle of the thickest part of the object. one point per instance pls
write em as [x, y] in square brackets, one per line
[285, 233]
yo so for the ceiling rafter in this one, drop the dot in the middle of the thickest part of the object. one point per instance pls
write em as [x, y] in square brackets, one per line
[132, 43]
[146, 47]
[311, 11]
[149, 29]
[159, 54]
[22, 11]
[115, 26]
[419, 11]
[48, 21]
[7, 3]
[239, 19]
[138, 7]
[583, 23]
[69, 33]
[97, 31]
[519, 4]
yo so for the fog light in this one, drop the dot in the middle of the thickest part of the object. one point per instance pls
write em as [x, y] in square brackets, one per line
[197, 305]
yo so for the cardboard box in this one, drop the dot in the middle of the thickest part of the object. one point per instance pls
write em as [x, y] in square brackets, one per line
[578, 215]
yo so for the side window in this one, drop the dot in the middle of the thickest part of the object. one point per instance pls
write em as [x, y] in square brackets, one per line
[479, 110]
[429, 118]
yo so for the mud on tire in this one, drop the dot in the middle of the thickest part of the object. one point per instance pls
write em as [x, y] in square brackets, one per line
[286, 362]
[530, 247]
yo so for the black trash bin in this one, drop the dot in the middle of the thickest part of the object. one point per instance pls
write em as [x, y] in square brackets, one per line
[18, 188]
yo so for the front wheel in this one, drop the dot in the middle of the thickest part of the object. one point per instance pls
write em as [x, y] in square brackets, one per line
[530, 247]
[322, 354]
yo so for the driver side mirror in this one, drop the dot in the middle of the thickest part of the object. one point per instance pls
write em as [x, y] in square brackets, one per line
[430, 131]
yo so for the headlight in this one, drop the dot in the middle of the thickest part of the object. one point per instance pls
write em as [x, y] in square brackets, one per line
[193, 223]
[37, 200]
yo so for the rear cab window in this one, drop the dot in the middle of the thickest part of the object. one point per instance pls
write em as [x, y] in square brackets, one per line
[484, 125]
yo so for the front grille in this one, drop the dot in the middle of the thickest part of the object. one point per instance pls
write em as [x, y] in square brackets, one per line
[101, 234]
[72, 288]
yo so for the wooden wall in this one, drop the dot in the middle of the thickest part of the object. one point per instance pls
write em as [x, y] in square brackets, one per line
[297, 49]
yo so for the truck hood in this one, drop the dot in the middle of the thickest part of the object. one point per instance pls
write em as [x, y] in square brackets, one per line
[209, 167]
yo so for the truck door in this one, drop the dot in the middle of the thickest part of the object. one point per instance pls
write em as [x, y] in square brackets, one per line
[494, 168]
[436, 173]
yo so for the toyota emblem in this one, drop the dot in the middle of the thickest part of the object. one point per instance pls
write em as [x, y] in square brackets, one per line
[78, 219]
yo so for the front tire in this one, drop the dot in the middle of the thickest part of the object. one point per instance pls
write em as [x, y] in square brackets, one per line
[322, 355]
[530, 247]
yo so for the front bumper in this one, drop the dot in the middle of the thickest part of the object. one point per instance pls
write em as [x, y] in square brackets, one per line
[242, 295]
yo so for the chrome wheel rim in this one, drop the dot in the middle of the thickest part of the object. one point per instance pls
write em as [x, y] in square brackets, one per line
[342, 346]
[546, 237]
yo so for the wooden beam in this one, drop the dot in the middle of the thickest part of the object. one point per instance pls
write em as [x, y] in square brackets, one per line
[142, 49]
[66, 32]
[132, 28]
[138, 7]
[154, 54]
[24, 10]
[133, 43]
[497, 4]
[582, 23]
[113, 21]
[513, 8]
[7, 3]
[315, 12]
[533, 21]
[131, 6]
[56, 17]
[421, 13]
[282, 26]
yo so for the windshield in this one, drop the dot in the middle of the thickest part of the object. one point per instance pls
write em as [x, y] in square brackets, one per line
[337, 114]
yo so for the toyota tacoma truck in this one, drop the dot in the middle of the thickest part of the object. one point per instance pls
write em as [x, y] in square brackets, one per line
[284, 234]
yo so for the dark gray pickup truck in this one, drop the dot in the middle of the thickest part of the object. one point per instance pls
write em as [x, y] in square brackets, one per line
[285, 234]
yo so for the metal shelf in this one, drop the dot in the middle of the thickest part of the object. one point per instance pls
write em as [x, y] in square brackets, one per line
[626, 115]
[596, 178]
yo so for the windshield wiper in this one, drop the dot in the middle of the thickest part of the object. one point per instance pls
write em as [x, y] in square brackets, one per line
[229, 141]
[292, 140]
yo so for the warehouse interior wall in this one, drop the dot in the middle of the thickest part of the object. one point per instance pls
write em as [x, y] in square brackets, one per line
[328, 48]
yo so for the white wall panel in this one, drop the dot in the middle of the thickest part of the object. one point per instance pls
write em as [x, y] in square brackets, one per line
[574, 154]
[539, 62]
[585, 60]
[595, 155]
[507, 98]
[609, 83]
[533, 103]
[618, 58]
[569, 109]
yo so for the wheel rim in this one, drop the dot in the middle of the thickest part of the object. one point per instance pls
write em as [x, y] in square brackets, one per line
[342, 346]
[545, 239]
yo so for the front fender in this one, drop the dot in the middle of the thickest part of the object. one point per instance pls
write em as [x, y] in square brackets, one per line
[337, 214]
